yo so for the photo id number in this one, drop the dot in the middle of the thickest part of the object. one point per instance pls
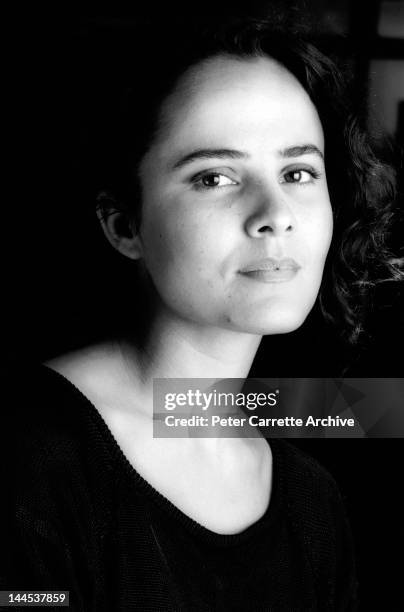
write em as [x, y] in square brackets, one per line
[34, 598]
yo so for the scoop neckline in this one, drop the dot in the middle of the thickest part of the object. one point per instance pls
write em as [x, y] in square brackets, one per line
[221, 540]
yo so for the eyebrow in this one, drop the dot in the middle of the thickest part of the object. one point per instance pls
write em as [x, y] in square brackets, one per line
[209, 154]
[296, 151]
[305, 149]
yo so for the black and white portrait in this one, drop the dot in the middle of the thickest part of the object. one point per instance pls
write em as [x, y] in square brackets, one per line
[214, 200]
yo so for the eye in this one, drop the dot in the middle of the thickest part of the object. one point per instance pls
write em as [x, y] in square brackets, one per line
[212, 180]
[300, 176]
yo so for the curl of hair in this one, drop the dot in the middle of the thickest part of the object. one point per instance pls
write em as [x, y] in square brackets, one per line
[360, 257]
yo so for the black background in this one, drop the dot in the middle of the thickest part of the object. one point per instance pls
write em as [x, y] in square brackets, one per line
[64, 281]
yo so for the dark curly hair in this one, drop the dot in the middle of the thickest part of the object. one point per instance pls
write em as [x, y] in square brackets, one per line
[361, 184]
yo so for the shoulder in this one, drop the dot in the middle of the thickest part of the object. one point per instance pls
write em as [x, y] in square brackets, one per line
[311, 494]
[58, 457]
[59, 478]
[96, 371]
[318, 518]
[85, 367]
[32, 390]
[299, 469]
[51, 429]
[42, 401]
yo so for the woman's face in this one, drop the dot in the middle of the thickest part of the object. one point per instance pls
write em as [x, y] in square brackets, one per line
[236, 216]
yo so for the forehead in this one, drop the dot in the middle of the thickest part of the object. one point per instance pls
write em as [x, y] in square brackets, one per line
[255, 101]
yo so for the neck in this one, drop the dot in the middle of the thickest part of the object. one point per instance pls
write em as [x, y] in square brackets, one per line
[180, 349]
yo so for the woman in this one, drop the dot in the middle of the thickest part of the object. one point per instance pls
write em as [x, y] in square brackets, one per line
[224, 178]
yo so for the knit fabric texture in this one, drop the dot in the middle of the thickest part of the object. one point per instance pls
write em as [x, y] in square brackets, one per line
[82, 519]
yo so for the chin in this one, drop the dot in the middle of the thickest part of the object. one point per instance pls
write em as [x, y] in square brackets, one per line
[276, 322]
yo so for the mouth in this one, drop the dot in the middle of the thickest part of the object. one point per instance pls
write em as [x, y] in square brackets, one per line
[271, 270]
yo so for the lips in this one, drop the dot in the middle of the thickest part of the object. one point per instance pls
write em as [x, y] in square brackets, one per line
[272, 264]
[271, 270]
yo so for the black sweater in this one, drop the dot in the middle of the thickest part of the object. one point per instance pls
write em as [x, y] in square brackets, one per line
[82, 519]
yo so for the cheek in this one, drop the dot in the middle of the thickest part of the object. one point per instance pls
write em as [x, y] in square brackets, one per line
[318, 232]
[182, 245]
[160, 245]
[328, 227]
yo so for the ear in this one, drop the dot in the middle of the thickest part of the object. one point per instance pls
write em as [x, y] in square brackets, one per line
[118, 227]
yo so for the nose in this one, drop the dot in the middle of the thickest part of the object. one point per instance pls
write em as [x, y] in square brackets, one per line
[271, 215]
